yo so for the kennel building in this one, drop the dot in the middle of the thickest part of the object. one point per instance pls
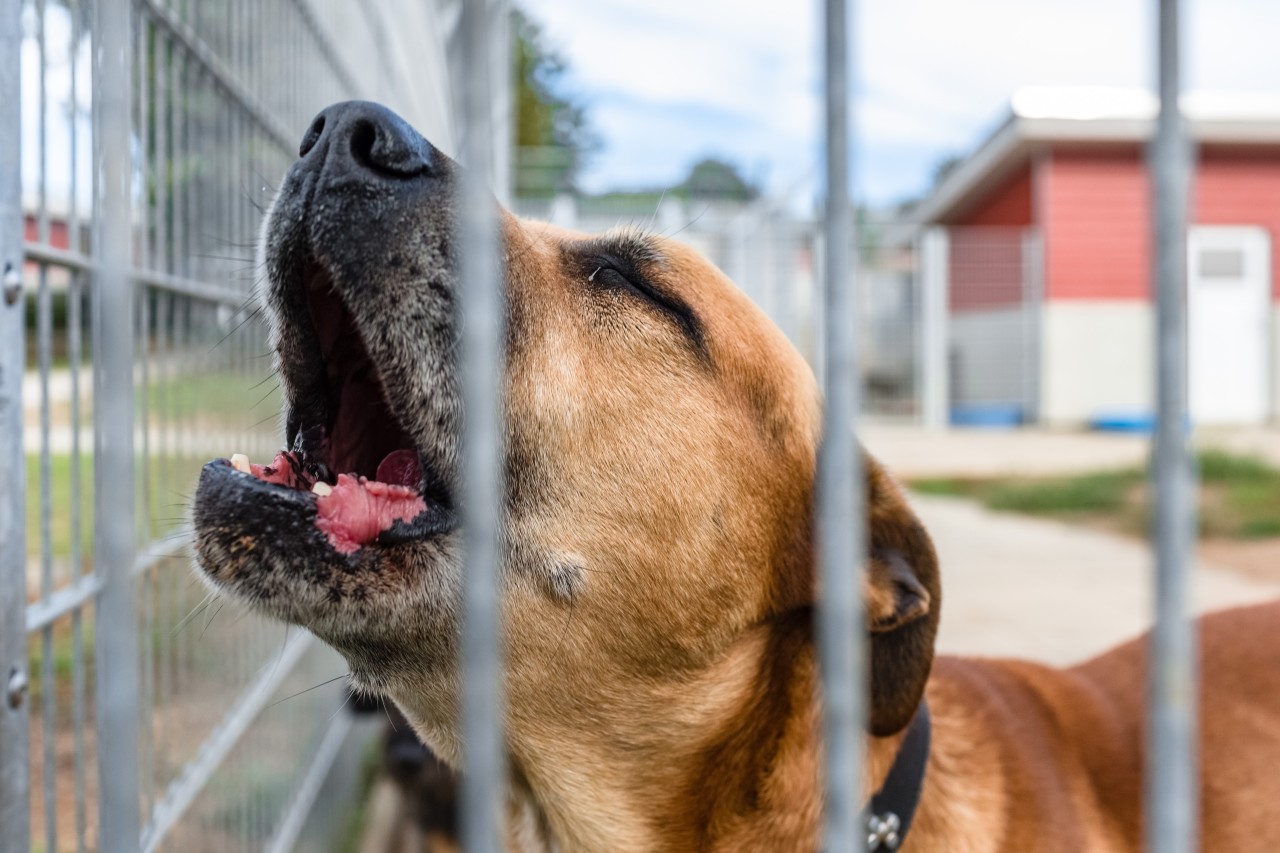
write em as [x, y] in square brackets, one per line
[1047, 258]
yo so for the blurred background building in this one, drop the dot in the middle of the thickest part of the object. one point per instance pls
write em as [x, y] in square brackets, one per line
[1047, 269]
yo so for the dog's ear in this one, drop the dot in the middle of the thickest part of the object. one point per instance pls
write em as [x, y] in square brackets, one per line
[903, 596]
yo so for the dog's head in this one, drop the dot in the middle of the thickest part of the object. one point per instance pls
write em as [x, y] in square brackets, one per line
[660, 446]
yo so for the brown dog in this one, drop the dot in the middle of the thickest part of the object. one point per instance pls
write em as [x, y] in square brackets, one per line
[659, 578]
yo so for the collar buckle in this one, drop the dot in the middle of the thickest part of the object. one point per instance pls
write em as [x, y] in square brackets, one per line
[882, 832]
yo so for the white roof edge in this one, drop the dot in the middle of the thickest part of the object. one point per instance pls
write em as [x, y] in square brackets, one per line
[1093, 114]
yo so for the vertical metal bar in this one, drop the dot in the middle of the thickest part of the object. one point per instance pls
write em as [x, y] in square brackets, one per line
[113, 493]
[44, 357]
[1032, 257]
[1171, 789]
[144, 35]
[841, 496]
[14, 775]
[482, 366]
[74, 359]
[934, 335]
[74, 320]
[48, 691]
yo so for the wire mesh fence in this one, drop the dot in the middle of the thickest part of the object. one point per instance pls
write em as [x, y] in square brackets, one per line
[216, 93]
[993, 308]
[773, 253]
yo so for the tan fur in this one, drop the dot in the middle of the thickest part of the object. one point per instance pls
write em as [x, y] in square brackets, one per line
[659, 581]
[698, 729]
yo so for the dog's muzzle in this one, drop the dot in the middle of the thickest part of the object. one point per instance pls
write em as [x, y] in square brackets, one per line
[358, 288]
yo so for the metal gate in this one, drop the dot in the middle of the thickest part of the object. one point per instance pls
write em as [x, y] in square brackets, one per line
[140, 712]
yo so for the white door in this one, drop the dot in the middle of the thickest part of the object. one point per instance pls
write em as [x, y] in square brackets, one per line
[1228, 314]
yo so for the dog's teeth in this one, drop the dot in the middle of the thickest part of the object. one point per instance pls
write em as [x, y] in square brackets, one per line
[240, 462]
[322, 488]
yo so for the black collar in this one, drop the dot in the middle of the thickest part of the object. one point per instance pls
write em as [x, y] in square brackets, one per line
[893, 807]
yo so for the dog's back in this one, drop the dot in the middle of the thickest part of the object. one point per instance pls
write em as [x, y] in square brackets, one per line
[1060, 752]
[1239, 717]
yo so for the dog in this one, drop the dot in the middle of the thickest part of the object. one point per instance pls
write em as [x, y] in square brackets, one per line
[658, 580]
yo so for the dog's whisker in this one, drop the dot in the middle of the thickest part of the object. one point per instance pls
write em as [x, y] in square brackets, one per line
[346, 700]
[689, 224]
[272, 375]
[308, 690]
[195, 611]
[210, 621]
[564, 634]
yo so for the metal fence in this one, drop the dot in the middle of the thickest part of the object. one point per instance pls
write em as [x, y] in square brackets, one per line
[992, 325]
[158, 126]
[774, 254]
[142, 713]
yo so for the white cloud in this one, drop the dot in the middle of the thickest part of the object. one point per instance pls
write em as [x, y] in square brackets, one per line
[933, 74]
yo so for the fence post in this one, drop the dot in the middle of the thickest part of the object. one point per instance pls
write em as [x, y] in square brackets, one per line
[113, 489]
[1171, 789]
[483, 364]
[841, 495]
[1032, 322]
[934, 368]
[14, 781]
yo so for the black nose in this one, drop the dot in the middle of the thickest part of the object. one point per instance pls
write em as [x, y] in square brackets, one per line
[364, 136]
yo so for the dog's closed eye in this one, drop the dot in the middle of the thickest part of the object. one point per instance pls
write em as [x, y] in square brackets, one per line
[611, 272]
[610, 268]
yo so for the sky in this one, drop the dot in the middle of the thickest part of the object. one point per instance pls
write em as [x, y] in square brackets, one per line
[667, 82]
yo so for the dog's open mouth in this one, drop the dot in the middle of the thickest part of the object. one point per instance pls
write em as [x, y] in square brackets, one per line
[351, 459]
[352, 510]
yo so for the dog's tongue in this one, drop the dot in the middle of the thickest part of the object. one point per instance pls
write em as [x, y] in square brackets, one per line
[400, 469]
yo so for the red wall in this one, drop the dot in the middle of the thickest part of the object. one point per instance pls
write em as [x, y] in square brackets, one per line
[1008, 204]
[1096, 214]
[58, 231]
[986, 268]
[1095, 224]
[986, 263]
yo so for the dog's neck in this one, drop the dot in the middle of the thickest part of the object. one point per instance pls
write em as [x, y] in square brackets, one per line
[721, 764]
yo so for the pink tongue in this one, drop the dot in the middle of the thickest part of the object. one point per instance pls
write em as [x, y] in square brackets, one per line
[399, 469]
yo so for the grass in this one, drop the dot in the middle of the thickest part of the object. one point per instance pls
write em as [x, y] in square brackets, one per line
[196, 401]
[63, 648]
[1239, 496]
[60, 504]
[170, 480]
[230, 396]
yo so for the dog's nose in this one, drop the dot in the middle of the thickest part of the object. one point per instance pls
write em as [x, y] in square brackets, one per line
[361, 136]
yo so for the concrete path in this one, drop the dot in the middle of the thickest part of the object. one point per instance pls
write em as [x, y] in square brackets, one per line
[911, 451]
[1019, 587]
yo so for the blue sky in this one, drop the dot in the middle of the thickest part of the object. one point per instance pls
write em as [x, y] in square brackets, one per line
[669, 81]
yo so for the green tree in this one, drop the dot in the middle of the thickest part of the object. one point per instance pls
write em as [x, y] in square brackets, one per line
[553, 137]
[712, 178]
